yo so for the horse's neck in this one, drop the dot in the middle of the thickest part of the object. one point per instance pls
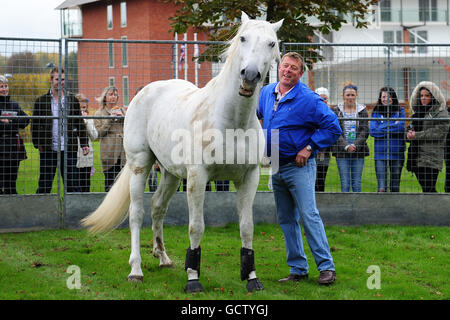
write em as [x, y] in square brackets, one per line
[232, 110]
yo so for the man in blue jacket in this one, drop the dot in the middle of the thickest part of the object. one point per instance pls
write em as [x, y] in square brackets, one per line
[303, 124]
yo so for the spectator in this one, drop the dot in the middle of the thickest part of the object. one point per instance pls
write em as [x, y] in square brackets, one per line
[389, 140]
[49, 138]
[110, 133]
[85, 163]
[351, 147]
[304, 124]
[447, 162]
[427, 138]
[323, 156]
[12, 149]
[221, 185]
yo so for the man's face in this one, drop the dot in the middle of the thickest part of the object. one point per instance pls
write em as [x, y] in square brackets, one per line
[55, 81]
[289, 72]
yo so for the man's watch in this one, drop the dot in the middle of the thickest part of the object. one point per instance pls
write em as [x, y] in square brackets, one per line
[309, 148]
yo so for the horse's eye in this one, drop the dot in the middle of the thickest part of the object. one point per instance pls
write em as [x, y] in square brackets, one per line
[242, 39]
[272, 44]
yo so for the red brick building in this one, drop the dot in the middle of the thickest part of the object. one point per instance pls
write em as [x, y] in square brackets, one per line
[131, 64]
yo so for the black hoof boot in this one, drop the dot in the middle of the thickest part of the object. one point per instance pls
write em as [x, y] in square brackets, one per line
[254, 285]
[193, 286]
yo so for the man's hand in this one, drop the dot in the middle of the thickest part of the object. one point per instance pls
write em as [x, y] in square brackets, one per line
[302, 157]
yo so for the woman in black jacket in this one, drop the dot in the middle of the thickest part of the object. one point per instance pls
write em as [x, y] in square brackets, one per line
[12, 149]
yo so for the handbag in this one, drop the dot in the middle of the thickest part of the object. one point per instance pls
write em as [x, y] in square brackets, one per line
[84, 161]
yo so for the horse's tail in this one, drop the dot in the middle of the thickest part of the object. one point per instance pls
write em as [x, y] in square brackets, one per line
[114, 208]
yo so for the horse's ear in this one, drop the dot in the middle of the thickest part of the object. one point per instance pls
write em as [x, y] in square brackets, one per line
[244, 17]
[277, 25]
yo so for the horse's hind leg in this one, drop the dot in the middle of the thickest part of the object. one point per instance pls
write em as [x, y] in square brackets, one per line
[140, 166]
[160, 202]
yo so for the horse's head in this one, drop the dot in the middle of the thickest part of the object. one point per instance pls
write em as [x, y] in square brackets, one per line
[257, 44]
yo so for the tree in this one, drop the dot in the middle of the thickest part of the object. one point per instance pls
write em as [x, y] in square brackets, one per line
[219, 17]
[22, 62]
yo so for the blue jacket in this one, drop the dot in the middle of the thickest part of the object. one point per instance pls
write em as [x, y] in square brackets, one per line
[302, 118]
[394, 133]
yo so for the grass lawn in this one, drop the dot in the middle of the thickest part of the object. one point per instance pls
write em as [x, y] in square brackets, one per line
[413, 263]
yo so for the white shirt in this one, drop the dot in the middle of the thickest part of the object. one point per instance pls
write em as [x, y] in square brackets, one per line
[55, 124]
[279, 96]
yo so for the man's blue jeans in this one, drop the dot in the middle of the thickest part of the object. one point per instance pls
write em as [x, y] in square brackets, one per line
[350, 171]
[294, 190]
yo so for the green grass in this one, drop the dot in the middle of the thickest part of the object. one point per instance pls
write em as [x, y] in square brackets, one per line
[414, 264]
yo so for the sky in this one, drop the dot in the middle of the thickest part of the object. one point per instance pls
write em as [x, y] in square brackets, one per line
[30, 19]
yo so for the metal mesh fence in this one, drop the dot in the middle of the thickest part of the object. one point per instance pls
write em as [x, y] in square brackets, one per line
[374, 154]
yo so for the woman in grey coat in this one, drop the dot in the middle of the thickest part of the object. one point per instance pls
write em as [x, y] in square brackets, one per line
[427, 137]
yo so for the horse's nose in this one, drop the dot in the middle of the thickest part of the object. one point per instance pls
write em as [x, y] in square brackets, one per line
[250, 75]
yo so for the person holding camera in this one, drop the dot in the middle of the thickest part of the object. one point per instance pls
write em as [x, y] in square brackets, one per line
[110, 133]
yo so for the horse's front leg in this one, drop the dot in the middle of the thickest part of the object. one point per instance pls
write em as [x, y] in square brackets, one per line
[246, 190]
[137, 186]
[196, 184]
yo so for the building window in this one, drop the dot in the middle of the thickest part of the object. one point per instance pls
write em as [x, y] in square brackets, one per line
[123, 14]
[422, 37]
[109, 16]
[124, 53]
[428, 10]
[385, 10]
[126, 93]
[112, 82]
[111, 54]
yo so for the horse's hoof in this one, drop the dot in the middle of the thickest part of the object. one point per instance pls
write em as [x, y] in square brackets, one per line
[193, 286]
[254, 285]
[136, 278]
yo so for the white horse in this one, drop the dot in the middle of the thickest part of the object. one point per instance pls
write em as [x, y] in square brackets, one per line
[165, 109]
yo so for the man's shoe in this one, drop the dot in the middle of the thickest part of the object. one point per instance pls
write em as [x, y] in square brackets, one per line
[294, 277]
[327, 277]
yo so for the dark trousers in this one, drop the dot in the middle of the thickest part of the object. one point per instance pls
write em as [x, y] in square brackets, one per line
[111, 174]
[8, 175]
[427, 178]
[447, 175]
[321, 176]
[85, 179]
[221, 185]
[447, 166]
[48, 165]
